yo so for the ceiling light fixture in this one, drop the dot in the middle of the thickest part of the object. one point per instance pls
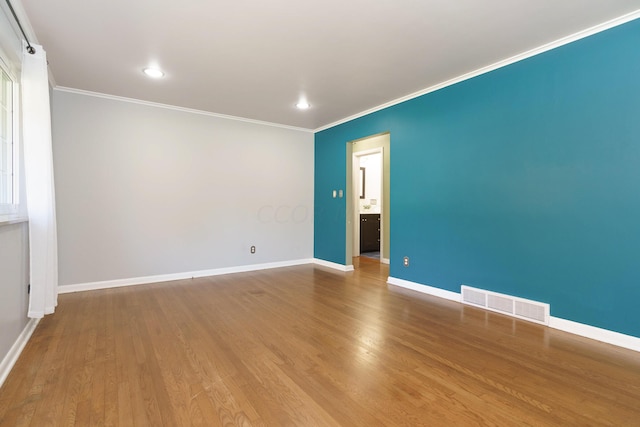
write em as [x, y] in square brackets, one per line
[153, 72]
[303, 105]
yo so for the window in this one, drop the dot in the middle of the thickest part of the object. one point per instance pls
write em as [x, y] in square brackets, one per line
[8, 148]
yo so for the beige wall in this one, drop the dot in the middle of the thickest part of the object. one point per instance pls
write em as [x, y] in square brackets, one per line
[146, 191]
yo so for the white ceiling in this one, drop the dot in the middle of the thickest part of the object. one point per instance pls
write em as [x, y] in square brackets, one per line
[255, 58]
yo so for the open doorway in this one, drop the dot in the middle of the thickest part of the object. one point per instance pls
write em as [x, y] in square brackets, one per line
[368, 238]
[368, 198]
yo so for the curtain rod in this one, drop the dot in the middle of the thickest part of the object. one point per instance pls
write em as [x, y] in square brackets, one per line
[30, 48]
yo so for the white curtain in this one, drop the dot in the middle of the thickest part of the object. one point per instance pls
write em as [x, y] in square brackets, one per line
[38, 162]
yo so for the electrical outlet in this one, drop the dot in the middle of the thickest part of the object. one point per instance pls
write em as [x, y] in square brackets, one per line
[405, 261]
[253, 249]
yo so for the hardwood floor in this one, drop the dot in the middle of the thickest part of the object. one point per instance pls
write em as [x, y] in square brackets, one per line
[308, 346]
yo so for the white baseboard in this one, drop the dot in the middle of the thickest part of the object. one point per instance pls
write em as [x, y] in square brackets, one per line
[91, 286]
[595, 333]
[385, 260]
[604, 335]
[425, 289]
[333, 265]
[16, 349]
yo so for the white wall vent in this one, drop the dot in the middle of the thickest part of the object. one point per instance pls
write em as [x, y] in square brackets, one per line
[513, 306]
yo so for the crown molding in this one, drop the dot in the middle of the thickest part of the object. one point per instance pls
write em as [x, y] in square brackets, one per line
[176, 108]
[503, 63]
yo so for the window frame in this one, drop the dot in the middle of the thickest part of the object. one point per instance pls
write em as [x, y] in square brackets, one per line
[12, 209]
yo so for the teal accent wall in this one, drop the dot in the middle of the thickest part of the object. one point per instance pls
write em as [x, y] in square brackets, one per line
[524, 180]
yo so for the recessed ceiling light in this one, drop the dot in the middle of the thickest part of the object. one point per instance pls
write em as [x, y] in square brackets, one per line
[153, 72]
[303, 105]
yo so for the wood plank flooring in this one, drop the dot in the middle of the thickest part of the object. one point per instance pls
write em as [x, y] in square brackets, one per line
[307, 346]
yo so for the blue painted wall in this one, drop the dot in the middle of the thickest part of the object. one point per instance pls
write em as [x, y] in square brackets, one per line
[525, 181]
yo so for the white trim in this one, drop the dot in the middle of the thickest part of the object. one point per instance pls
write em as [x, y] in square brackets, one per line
[385, 261]
[377, 150]
[12, 208]
[176, 108]
[333, 265]
[595, 333]
[604, 335]
[16, 349]
[80, 287]
[12, 219]
[503, 63]
[425, 289]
